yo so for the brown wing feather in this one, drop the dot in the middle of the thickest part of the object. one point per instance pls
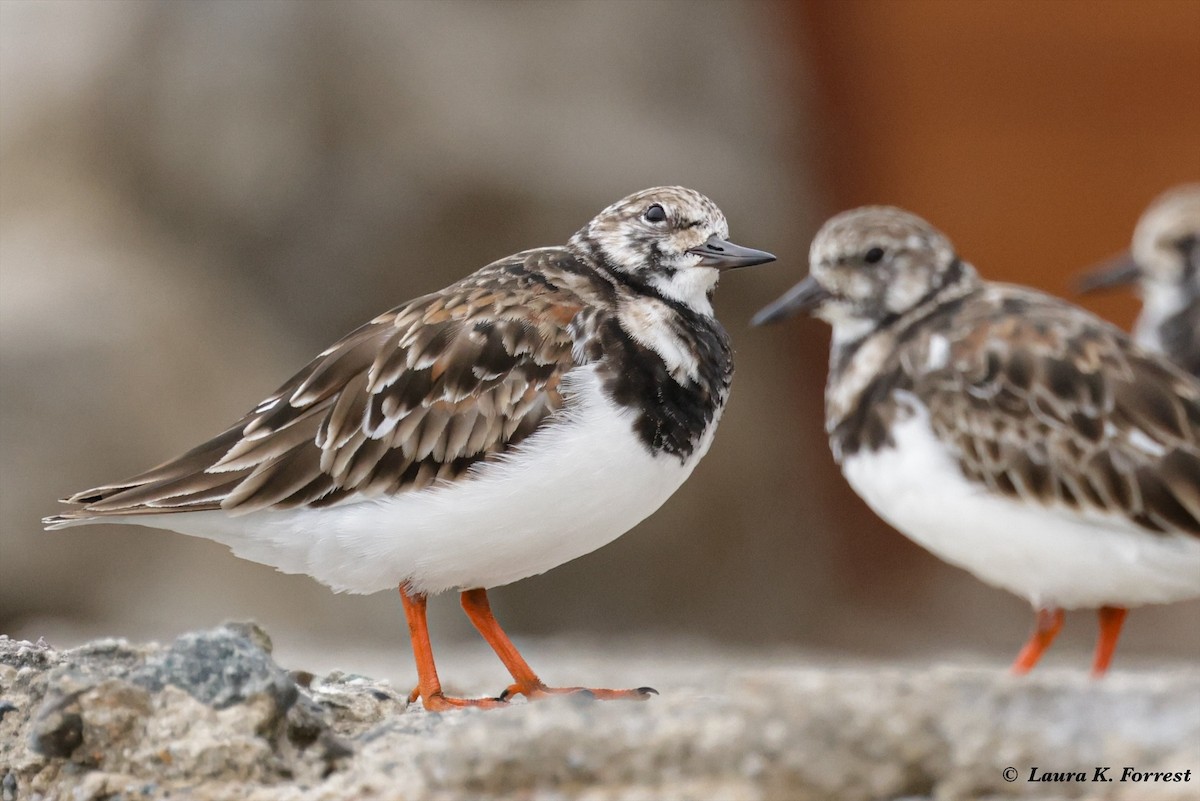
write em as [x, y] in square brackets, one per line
[1049, 405]
[417, 395]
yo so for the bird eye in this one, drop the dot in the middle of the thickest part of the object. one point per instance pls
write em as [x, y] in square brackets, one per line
[655, 214]
[873, 256]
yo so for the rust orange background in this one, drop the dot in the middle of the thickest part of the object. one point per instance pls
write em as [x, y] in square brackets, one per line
[1033, 133]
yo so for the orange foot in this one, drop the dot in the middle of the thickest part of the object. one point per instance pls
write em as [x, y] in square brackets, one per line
[440, 702]
[535, 691]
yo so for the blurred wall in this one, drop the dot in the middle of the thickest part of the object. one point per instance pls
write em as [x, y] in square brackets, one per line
[195, 198]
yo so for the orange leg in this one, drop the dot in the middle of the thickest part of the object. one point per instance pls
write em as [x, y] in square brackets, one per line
[1049, 621]
[1111, 619]
[429, 688]
[526, 682]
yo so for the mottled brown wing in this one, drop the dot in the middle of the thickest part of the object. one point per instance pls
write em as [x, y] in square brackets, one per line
[417, 395]
[1047, 404]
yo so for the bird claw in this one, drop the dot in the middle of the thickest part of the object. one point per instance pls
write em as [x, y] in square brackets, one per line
[443, 703]
[539, 691]
[440, 702]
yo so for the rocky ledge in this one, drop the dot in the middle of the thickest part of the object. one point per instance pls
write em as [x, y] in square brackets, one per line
[213, 717]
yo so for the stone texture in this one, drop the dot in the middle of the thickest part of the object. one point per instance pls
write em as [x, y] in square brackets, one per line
[213, 717]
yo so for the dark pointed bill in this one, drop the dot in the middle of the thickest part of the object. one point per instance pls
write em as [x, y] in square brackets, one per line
[725, 255]
[803, 297]
[1120, 270]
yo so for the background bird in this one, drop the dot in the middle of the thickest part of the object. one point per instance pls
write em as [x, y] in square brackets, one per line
[1007, 431]
[524, 416]
[1164, 263]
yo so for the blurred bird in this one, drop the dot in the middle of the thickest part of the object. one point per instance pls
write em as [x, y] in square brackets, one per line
[524, 416]
[1165, 264]
[1007, 431]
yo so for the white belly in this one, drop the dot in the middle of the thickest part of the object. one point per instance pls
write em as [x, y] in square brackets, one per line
[571, 488]
[1051, 556]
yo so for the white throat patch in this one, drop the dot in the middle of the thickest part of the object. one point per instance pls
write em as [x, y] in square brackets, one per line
[690, 286]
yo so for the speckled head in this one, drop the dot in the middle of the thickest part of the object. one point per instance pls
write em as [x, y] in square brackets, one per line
[672, 238]
[869, 265]
[1166, 242]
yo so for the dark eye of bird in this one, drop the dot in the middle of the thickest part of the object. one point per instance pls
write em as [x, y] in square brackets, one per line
[655, 214]
[873, 256]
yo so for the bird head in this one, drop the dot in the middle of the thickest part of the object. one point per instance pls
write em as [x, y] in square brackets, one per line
[869, 265]
[670, 238]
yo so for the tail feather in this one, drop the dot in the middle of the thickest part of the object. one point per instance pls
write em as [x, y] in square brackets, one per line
[181, 484]
[55, 522]
[197, 460]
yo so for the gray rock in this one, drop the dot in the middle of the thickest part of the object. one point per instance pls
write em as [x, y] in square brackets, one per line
[220, 668]
[212, 717]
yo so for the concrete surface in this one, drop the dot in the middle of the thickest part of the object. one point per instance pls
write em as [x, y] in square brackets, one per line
[213, 717]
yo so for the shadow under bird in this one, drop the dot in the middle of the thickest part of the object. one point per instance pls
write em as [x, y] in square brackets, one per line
[1164, 264]
[1008, 432]
[524, 416]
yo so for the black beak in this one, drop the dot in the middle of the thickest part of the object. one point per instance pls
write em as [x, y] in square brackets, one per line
[803, 297]
[1117, 271]
[725, 255]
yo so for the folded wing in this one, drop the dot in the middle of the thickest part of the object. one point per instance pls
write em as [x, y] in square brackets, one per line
[418, 395]
[1070, 413]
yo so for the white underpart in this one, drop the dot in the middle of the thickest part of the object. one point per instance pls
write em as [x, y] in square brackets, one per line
[648, 321]
[1159, 302]
[1054, 557]
[571, 488]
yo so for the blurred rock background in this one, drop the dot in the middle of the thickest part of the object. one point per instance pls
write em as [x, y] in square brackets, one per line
[195, 198]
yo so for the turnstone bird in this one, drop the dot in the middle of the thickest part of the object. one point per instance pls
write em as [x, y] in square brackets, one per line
[524, 416]
[1007, 431]
[1164, 261]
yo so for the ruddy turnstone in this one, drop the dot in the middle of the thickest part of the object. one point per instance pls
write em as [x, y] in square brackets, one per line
[1164, 261]
[1007, 431]
[522, 417]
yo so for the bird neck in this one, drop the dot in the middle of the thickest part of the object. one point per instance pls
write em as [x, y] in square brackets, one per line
[686, 290]
[958, 282]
